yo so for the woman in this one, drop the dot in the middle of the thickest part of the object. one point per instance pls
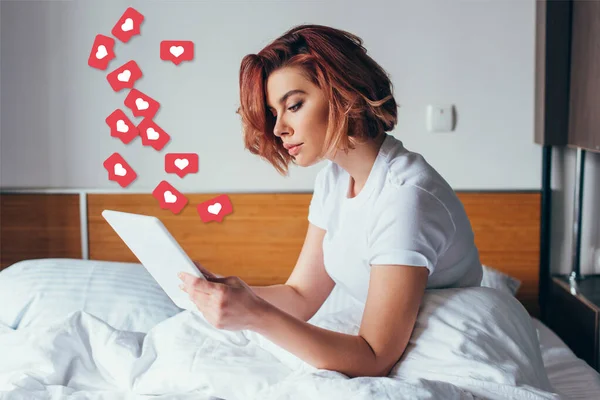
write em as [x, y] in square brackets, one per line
[383, 224]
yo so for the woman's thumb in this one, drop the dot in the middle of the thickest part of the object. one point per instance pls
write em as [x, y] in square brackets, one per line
[225, 280]
[204, 271]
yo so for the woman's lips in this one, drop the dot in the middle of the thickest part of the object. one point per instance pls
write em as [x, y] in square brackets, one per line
[295, 150]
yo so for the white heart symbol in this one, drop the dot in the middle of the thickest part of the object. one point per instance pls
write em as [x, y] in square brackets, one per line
[119, 170]
[124, 76]
[181, 163]
[215, 208]
[141, 104]
[101, 53]
[176, 50]
[170, 197]
[122, 126]
[127, 25]
[152, 134]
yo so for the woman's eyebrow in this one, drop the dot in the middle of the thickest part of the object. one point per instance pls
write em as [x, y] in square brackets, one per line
[288, 94]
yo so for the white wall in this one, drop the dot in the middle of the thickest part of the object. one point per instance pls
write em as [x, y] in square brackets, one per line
[478, 55]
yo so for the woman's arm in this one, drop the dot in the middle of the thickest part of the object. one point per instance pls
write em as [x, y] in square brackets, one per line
[285, 298]
[321, 348]
[309, 284]
[395, 294]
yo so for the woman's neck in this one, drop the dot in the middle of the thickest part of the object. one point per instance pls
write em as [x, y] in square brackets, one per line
[358, 162]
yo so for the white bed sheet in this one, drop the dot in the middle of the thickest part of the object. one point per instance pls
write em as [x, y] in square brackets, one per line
[567, 373]
[472, 343]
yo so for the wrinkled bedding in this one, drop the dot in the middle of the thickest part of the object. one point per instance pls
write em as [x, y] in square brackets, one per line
[467, 343]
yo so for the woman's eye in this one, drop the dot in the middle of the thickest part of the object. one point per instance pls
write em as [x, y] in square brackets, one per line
[295, 107]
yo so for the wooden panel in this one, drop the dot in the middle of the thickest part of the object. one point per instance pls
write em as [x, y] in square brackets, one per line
[584, 116]
[261, 240]
[552, 46]
[507, 234]
[39, 226]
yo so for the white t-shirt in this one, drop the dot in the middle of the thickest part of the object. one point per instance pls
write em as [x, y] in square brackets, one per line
[406, 214]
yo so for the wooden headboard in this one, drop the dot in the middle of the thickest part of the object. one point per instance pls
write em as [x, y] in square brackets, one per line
[261, 240]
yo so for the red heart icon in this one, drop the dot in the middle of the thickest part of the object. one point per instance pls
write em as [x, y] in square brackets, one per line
[153, 135]
[121, 127]
[141, 105]
[177, 51]
[215, 209]
[125, 76]
[169, 198]
[119, 171]
[181, 164]
[102, 52]
[128, 25]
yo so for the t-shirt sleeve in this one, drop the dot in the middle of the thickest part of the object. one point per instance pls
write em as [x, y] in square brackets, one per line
[410, 227]
[316, 209]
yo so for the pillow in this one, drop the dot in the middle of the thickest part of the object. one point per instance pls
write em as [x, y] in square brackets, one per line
[498, 280]
[39, 292]
[339, 299]
[479, 339]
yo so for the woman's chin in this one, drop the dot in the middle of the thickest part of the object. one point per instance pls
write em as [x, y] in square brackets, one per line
[299, 160]
[303, 161]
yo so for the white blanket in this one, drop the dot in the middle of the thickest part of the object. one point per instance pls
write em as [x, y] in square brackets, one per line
[467, 343]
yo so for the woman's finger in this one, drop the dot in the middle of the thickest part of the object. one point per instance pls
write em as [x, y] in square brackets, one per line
[201, 300]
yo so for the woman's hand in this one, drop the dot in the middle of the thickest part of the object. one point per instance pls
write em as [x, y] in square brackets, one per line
[206, 272]
[226, 302]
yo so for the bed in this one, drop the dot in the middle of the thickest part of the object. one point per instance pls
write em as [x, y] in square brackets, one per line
[102, 328]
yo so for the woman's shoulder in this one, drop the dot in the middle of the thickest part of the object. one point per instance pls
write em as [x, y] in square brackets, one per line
[412, 183]
[409, 172]
[404, 166]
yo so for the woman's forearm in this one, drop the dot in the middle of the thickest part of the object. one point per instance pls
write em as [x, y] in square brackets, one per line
[285, 298]
[321, 348]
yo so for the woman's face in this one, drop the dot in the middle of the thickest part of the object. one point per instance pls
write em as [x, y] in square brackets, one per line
[301, 116]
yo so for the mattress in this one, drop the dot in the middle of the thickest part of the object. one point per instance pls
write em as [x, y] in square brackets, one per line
[568, 374]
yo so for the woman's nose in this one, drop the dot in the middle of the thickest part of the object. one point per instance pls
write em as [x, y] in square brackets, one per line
[280, 129]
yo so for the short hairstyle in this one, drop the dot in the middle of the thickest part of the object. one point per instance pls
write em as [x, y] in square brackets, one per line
[359, 91]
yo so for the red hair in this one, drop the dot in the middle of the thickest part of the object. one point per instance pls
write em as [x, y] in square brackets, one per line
[359, 91]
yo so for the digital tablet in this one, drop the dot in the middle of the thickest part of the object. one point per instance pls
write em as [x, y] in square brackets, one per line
[157, 250]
